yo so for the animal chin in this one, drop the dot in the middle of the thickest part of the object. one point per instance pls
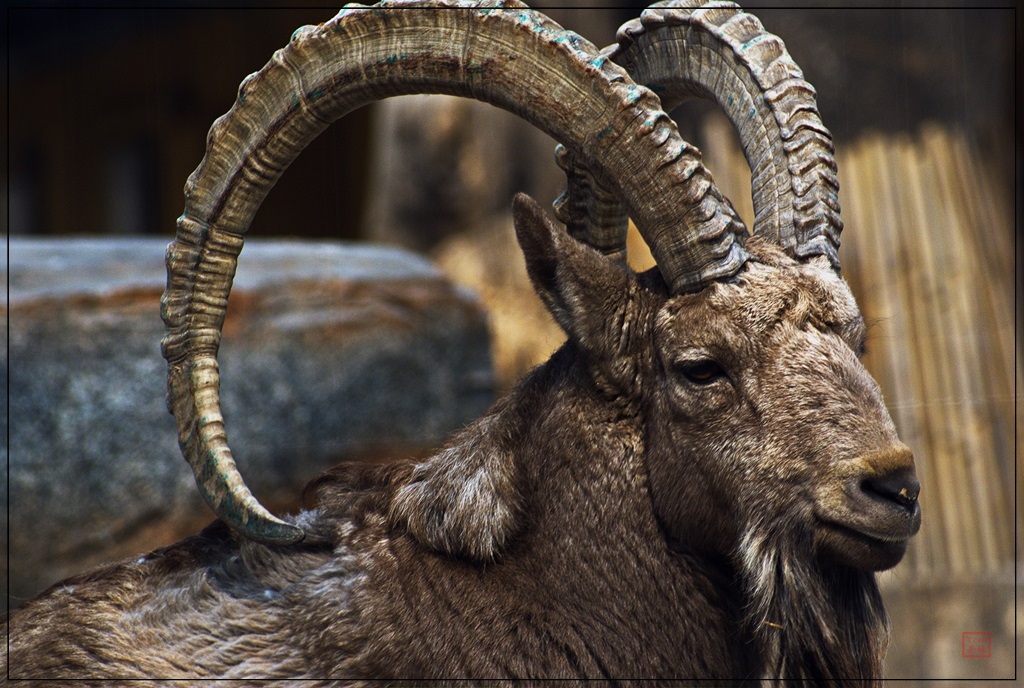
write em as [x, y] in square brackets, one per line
[859, 548]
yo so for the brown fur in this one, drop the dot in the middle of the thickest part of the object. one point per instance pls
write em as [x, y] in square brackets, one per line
[608, 519]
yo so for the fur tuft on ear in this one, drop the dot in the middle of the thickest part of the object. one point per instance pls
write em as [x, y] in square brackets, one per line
[585, 291]
[465, 501]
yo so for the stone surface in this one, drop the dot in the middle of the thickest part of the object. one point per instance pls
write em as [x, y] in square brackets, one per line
[330, 352]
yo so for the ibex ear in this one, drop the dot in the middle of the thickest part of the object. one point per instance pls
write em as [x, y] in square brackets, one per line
[584, 291]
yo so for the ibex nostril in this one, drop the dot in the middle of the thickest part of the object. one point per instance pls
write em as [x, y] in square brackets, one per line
[900, 486]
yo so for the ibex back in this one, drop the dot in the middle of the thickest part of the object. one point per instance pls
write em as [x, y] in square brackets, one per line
[698, 485]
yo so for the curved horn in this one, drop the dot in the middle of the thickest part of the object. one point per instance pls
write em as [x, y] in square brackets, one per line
[694, 48]
[500, 52]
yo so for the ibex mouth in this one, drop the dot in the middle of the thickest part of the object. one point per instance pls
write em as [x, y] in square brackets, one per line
[867, 536]
[861, 548]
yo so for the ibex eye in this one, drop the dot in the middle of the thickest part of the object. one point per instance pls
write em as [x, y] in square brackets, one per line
[701, 372]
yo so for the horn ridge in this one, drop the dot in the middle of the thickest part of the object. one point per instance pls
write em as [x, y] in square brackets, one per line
[591, 213]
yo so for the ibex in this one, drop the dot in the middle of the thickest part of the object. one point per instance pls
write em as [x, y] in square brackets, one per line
[699, 485]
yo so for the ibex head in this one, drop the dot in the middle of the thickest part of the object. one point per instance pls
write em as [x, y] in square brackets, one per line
[763, 395]
[761, 422]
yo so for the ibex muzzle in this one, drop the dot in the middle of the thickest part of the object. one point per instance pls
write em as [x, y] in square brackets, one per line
[868, 518]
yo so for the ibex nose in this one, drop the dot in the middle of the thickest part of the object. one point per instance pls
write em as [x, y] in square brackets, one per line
[900, 486]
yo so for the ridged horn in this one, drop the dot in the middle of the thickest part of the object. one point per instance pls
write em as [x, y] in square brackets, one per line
[590, 212]
[687, 48]
[502, 53]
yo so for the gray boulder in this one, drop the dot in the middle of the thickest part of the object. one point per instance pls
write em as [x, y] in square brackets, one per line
[331, 352]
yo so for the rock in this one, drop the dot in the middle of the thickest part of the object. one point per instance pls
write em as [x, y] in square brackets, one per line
[330, 352]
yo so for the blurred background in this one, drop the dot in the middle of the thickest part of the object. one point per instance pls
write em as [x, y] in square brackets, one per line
[107, 114]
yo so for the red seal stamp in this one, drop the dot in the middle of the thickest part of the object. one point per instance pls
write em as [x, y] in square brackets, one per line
[977, 644]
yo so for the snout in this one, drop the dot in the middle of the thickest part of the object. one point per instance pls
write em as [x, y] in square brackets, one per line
[870, 511]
